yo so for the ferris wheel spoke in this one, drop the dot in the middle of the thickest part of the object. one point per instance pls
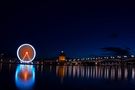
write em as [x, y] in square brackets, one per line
[26, 55]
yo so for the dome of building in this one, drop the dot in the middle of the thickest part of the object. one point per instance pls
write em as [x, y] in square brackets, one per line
[62, 57]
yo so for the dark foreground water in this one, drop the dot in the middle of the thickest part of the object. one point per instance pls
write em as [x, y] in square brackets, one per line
[39, 77]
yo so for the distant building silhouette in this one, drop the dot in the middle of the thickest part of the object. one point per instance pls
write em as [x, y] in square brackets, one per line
[62, 57]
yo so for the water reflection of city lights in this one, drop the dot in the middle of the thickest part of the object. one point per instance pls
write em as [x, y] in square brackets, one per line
[25, 76]
[96, 72]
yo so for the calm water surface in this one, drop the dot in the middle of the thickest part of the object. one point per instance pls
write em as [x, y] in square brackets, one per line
[41, 77]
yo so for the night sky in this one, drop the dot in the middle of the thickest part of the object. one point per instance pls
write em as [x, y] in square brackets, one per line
[79, 28]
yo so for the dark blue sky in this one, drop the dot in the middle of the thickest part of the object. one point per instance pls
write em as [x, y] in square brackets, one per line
[79, 28]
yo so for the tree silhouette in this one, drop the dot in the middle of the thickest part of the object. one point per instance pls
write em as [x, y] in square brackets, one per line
[117, 50]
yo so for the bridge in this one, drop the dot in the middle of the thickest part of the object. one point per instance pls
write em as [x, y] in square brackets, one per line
[119, 60]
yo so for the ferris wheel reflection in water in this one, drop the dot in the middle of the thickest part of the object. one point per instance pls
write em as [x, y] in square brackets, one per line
[25, 77]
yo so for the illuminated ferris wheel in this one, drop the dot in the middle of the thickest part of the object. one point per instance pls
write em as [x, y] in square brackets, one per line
[26, 53]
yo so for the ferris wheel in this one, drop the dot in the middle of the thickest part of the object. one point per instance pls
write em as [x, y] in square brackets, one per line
[26, 53]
